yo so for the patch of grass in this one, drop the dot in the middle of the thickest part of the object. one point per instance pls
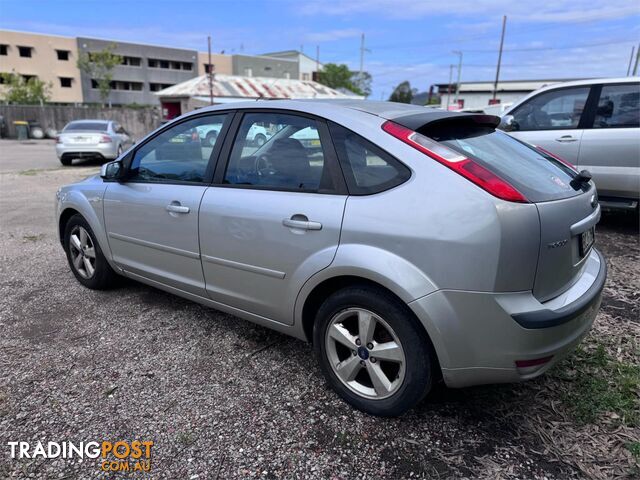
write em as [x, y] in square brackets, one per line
[33, 238]
[634, 448]
[186, 438]
[31, 172]
[598, 384]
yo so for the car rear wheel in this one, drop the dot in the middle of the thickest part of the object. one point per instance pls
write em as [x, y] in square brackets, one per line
[85, 256]
[260, 140]
[372, 350]
[211, 138]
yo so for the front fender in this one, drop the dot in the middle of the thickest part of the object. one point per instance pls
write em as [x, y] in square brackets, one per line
[87, 201]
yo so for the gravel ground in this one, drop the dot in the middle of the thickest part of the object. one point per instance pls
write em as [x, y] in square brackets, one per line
[223, 398]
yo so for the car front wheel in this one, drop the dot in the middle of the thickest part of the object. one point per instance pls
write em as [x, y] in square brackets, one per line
[85, 256]
[372, 350]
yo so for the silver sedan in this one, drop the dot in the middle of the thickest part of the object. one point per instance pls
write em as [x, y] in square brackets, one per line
[409, 245]
[102, 140]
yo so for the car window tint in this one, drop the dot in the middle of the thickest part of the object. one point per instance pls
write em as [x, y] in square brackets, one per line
[86, 126]
[180, 153]
[279, 151]
[618, 106]
[554, 110]
[367, 168]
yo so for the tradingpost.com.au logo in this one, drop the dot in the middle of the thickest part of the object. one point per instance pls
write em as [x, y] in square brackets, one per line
[120, 456]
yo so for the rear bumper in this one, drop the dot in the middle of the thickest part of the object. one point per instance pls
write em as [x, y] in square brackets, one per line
[480, 336]
[108, 151]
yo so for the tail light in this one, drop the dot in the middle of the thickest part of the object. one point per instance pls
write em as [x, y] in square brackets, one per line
[105, 139]
[476, 173]
[561, 160]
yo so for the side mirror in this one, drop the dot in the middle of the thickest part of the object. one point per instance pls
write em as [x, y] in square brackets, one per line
[112, 170]
[508, 123]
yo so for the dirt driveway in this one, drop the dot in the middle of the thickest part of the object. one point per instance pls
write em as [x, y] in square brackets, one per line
[222, 398]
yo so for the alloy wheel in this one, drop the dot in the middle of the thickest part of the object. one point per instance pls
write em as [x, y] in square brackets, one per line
[365, 353]
[83, 253]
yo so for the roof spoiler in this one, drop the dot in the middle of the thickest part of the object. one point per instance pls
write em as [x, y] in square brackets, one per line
[418, 121]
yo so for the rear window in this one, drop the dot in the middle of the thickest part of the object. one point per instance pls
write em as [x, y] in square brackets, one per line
[86, 126]
[537, 176]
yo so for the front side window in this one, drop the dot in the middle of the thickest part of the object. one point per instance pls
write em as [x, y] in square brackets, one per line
[179, 154]
[367, 169]
[618, 106]
[279, 151]
[553, 110]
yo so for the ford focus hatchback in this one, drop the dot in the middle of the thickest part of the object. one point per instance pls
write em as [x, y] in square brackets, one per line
[408, 245]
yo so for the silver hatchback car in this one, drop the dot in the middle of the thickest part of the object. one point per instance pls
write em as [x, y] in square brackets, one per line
[409, 245]
[95, 139]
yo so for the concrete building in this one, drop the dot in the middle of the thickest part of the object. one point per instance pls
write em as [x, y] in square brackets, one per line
[262, 66]
[50, 58]
[145, 69]
[477, 95]
[194, 93]
[307, 66]
[221, 63]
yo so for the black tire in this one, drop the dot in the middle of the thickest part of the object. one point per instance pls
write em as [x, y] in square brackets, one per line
[418, 350]
[211, 139]
[103, 276]
[66, 161]
[260, 139]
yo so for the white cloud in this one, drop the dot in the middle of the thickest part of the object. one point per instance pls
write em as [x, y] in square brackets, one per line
[332, 35]
[542, 11]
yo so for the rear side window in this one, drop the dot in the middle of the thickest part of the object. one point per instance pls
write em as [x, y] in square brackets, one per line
[538, 176]
[367, 168]
[618, 106]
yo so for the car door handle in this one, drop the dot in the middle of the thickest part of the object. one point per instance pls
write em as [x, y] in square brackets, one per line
[301, 224]
[175, 207]
[566, 139]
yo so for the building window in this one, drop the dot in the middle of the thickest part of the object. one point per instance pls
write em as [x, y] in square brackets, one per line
[156, 87]
[187, 66]
[121, 85]
[26, 78]
[132, 61]
[63, 55]
[3, 49]
[169, 64]
[209, 68]
[305, 76]
[65, 82]
[248, 72]
[25, 51]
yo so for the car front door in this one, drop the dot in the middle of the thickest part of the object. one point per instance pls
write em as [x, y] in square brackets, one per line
[151, 217]
[272, 218]
[552, 120]
[611, 145]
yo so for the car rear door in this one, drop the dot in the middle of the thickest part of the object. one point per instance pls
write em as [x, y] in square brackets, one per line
[151, 217]
[611, 142]
[553, 120]
[272, 218]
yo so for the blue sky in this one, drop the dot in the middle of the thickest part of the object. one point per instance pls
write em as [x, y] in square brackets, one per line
[409, 39]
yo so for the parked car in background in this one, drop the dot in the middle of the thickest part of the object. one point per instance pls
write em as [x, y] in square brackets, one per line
[257, 135]
[408, 244]
[594, 124]
[101, 140]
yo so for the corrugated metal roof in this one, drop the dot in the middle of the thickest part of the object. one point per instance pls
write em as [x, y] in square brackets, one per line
[235, 86]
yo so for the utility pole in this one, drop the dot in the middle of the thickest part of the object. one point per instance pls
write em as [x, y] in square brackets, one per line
[317, 64]
[633, 50]
[449, 86]
[362, 51]
[459, 53]
[635, 65]
[210, 71]
[495, 85]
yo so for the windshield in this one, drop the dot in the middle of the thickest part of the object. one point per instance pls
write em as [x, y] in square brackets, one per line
[538, 176]
[86, 126]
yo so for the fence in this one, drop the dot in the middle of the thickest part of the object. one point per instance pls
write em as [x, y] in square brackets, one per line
[137, 121]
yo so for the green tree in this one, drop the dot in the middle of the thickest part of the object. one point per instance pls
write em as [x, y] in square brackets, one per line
[339, 76]
[25, 92]
[403, 93]
[99, 66]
